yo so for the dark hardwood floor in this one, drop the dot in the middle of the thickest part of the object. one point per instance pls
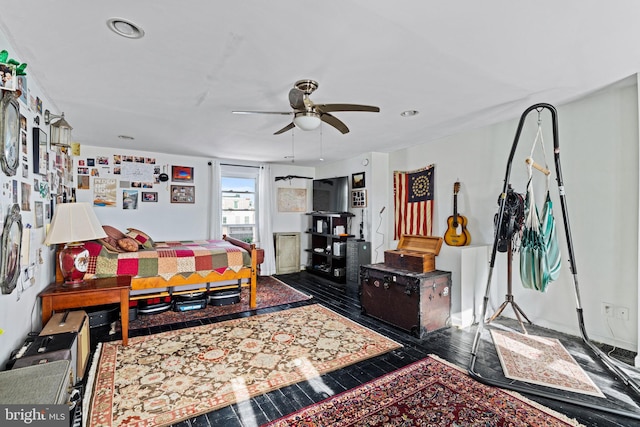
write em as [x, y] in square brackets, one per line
[452, 344]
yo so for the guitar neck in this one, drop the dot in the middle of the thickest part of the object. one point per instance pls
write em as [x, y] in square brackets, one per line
[455, 209]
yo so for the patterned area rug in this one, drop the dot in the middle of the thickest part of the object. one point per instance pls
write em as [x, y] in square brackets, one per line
[431, 392]
[270, 293]
[164, 378]
[543, 361]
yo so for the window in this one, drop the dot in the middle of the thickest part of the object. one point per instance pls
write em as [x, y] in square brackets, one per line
[239, 205]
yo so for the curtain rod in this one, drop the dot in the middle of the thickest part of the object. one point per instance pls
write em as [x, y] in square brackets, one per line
[241, 166]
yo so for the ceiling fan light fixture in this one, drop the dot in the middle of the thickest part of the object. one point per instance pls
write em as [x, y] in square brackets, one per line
[307, 120]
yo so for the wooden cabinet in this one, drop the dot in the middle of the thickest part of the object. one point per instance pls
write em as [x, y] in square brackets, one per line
[418, 303]
[328, 244]
[287, 252]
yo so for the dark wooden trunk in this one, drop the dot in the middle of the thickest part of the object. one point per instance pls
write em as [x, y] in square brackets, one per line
[416, 302]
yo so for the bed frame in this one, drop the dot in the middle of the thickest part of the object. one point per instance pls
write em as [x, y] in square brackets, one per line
[159, 283]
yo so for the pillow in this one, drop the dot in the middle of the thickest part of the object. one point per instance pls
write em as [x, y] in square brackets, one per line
[113, 233]
[128, 244]
[143, 239]
[110, 243]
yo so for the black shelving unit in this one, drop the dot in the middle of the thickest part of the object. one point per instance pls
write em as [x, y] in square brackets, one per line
[329, 233]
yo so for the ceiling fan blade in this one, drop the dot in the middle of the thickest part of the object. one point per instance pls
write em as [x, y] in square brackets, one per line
[328, 108]
[284, 129]
[296, 99]
[282, 113]
[335, 122]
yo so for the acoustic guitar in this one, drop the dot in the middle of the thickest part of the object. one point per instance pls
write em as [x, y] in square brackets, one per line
[457, 233]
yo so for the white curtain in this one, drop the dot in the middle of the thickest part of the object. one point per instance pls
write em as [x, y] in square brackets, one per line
[265, 214]
[215, 176]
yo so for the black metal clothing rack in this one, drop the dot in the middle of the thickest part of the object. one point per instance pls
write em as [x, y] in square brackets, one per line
[606, 360]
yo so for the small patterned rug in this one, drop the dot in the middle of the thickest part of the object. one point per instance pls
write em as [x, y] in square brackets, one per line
[270, 292]
[430, 392]
[161, 379]
[543, 361]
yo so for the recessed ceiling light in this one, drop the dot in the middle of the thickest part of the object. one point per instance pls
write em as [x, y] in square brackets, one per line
[409, 113]
[125, 28]
[126, 137]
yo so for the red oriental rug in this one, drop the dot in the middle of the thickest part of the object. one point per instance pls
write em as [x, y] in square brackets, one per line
[431, 392]
[270, 292]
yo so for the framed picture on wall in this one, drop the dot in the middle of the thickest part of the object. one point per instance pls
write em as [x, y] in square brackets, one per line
[183, 194]
[181, 174]
[40, 154]
[357, 180]
[358, 198]
[8, 82]
[149, 196]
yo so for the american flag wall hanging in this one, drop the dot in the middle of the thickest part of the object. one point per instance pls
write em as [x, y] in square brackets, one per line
[413, 201]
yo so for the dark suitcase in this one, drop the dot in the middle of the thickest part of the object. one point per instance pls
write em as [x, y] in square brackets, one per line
[49, 348]
[416, 302]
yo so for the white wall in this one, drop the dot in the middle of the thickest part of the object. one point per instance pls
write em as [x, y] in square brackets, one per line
[286, 222]
[162, 220]
[599, 160]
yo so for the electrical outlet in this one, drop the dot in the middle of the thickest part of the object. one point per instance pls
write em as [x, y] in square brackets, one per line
[607, 309]
[622, 313]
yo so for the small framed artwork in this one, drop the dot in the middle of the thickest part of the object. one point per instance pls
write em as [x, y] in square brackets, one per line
[7, 77]
[40, 154]
[358, 198]
[357, 180]
[181, 174]
[183, 194]
[149, 196]
[39, 214]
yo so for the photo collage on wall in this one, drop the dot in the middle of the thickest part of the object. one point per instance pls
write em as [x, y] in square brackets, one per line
[135, 177]
[35, 184]
[35, 175]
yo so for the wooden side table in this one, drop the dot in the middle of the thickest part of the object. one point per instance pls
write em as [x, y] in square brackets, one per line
[93, 292]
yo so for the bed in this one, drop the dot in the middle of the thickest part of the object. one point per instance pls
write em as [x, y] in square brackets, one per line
[177, 267]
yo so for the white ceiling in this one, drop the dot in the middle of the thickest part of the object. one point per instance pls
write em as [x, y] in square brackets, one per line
[463, 64]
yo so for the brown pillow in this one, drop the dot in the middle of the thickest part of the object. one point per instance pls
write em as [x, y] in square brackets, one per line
[110, 243]
[113, 232]
[128, 244]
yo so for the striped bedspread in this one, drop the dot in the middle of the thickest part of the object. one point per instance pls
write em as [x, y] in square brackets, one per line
[167, 259]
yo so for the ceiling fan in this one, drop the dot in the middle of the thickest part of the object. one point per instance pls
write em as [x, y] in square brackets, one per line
[307, 115]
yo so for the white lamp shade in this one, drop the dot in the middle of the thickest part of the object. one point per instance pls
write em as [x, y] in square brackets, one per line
[74, 222]
[307, 120]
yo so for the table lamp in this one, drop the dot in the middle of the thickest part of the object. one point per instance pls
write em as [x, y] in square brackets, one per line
[72, 224]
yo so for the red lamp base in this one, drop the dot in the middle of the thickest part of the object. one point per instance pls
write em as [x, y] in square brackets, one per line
[74, 260]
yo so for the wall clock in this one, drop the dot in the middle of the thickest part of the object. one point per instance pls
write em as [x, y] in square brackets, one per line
[10, 134]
